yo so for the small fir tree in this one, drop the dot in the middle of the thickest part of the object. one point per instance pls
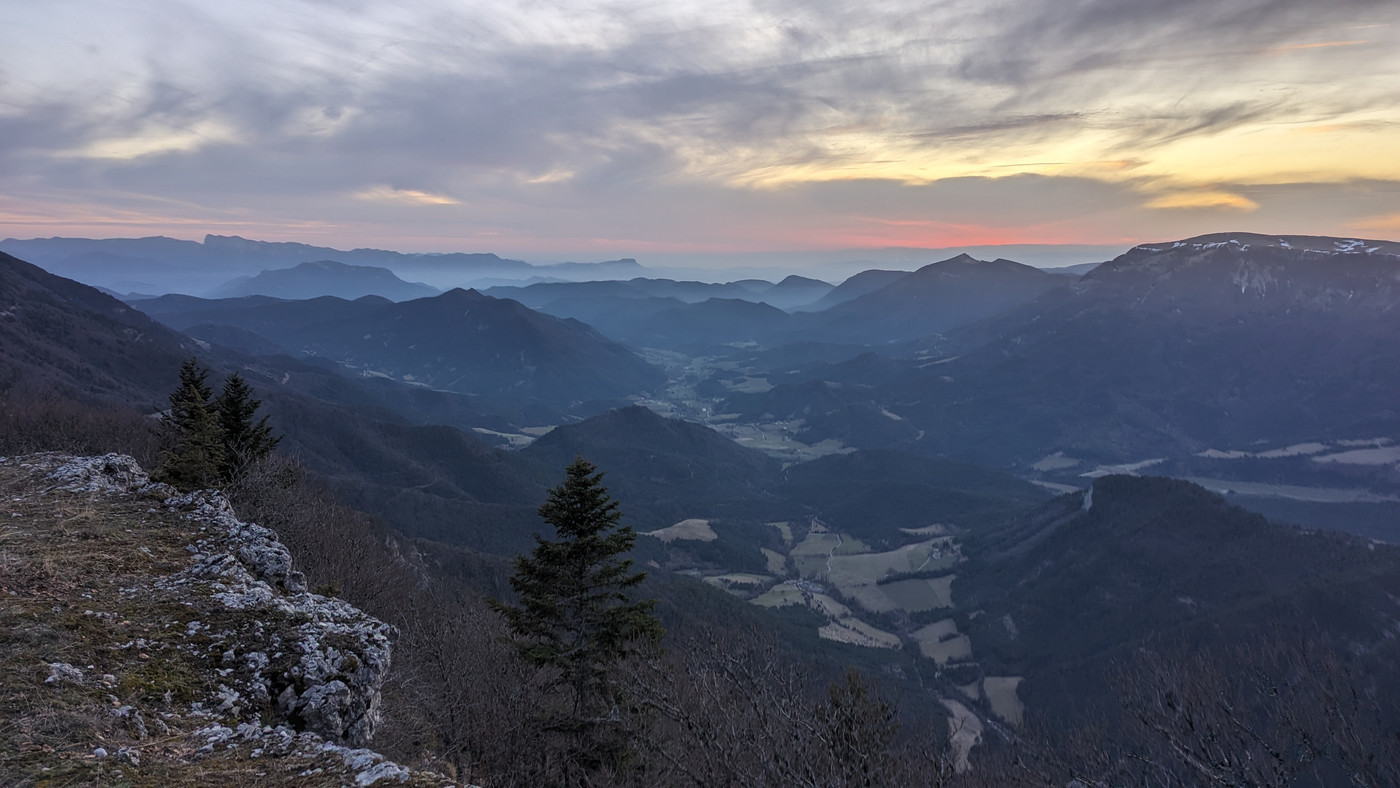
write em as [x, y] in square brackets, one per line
[244, 440]
[576, 616]
[196, 451]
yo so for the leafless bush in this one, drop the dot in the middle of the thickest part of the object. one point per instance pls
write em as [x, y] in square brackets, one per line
[35, 421]
[1285, 709]
[737, 710]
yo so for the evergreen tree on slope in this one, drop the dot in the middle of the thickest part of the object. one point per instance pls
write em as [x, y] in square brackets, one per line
[576, 616]
[244, 441]
[195, 457]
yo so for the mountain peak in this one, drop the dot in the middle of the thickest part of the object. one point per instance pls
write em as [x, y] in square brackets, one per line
[1307, 243]
[467, 294]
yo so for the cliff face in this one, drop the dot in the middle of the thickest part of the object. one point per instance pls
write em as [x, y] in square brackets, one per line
[156, 636]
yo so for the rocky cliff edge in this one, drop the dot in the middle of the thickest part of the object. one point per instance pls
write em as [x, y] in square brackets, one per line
[153, 638]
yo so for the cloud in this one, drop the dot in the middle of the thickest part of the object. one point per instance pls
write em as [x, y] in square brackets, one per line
[731, 121]
[1207, 199]
[408, 196]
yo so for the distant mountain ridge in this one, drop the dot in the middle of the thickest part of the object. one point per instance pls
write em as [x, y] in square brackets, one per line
[461, 341]
[325, 278]
[936, 297]
[1167, 350]
[159, 265]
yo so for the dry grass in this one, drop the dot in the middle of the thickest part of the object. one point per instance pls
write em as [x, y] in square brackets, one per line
[856, 632]
[78, 576]
[777, 562]
[941, 642]
[921, 594]
[1001, 693]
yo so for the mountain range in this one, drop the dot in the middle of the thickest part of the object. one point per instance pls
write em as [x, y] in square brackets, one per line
[325, 278]
[160, 265]
[1167, 350]
[938, 475]
[459, 341]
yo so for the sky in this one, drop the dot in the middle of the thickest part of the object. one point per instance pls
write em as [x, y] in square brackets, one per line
[589, 130]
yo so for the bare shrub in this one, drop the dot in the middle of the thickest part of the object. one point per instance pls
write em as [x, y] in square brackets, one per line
[737, 710]
[39, 420]
[1284, 709]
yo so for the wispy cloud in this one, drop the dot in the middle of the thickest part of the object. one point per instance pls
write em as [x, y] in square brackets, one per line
[407, 196]
[508, 119]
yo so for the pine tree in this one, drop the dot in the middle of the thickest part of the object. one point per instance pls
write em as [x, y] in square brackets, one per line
[195, 456]
[244, 441]
[576, 616]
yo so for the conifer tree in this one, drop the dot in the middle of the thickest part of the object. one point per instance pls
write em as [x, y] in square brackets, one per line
[244, 441]
[195, 456]
[576, 616]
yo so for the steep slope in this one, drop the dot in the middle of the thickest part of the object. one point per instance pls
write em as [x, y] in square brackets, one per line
[1169, 350]
[1086, 579]
[58, 333]
[873, 494]
[152, 638]
[459, 341]
[325, 278]
[854, 287]
[1196, 344]
[935, 298]
[63, 340]
[665, 469]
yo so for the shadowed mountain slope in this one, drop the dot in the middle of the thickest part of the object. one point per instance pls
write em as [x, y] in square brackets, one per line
[666, 469]
[935, 298]
[872, 494]
[860, 284]
[1169, 349]
[459, 341]
[57, 333]
[1085, 580]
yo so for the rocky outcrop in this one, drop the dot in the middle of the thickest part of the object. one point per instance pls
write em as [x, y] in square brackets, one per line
[318, 662]
[189, 623]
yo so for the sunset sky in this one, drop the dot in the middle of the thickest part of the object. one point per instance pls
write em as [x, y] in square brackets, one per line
[585, 130]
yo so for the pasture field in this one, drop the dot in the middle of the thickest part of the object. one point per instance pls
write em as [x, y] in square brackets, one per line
[854, 631]
[1001, 693]
[739, 583]
[941, 642]
[965, 732]
[777, 562]
[692, 529]
[933, 554]
[919, 594]
[791, 594]
[785, 529]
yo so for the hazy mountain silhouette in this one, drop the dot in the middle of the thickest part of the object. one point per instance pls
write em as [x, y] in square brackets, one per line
[164, 265]
[854, 287]
[938, 297]
[325, 278]
[795, 291]
[459, 341]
